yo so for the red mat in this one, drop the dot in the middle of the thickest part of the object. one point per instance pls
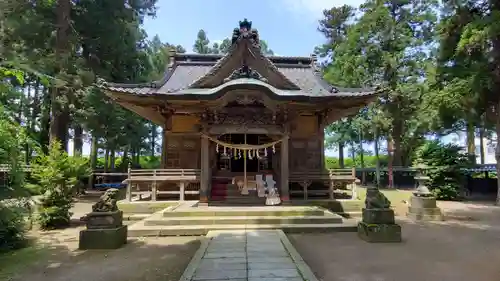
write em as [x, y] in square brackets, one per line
[219, 190]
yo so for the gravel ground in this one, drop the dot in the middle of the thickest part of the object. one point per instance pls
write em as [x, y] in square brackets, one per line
[464, 247]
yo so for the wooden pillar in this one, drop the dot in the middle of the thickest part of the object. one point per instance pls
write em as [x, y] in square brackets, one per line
[154, 191]
[167, 127]
[205, 170]
[182, 190]
[164, 148]
[284, 166]
[322, 165]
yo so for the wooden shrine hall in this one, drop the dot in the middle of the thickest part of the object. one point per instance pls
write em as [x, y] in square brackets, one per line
[238, 118]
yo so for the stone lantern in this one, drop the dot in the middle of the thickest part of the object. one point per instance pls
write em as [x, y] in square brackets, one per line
[422, 202]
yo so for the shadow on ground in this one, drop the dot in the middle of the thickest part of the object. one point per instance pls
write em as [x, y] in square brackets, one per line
[452, 250]
[151, 259]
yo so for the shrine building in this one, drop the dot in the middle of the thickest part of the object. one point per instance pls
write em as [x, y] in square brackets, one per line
[241, 114]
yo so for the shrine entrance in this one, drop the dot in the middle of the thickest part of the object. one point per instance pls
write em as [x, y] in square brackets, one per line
[237, 162]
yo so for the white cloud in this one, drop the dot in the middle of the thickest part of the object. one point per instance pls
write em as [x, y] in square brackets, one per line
[313, 9]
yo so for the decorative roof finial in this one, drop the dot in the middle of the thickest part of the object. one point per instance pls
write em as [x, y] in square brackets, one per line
[245, 25]
[246, 31]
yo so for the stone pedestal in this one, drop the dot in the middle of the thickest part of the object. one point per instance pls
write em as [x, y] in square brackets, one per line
[105, 230]
[424, 209]
[378, 225]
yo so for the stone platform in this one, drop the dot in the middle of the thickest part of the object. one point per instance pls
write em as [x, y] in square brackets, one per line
[192, 220]
[247, 256]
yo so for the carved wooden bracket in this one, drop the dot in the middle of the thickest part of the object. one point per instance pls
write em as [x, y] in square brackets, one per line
[166, 112]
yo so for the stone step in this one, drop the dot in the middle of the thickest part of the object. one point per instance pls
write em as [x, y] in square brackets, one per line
[330, 219]
[223, 203]
[246, 212]
[141, 230]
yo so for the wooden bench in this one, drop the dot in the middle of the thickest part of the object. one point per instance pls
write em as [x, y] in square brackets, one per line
[151, 177]
[329, 178]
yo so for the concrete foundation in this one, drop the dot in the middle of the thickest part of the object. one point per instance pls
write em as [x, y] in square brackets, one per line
[424, 209]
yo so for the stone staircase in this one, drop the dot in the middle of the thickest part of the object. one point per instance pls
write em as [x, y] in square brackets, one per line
[200, 220]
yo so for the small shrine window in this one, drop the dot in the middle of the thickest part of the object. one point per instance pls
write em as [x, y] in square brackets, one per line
[173, 159]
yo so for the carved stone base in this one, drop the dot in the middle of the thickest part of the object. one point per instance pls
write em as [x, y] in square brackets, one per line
[379, 233]
[424, 209]
[378, 216]
[110, 238]
[103, 220]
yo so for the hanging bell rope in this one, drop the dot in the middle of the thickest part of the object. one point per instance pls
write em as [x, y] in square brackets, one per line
[245, 146]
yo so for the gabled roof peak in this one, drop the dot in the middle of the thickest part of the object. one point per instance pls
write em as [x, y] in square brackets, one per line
[213, 58]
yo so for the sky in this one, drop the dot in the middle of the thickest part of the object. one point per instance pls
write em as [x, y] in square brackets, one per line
[288, 26]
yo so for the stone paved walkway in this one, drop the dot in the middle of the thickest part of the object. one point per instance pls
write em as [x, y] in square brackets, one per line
[263, 255]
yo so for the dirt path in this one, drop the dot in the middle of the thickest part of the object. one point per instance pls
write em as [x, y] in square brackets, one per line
[455, 250]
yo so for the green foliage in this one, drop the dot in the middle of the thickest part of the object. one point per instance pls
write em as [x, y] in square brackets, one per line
[12, 228]
[443, 164]
[369, 162]
[383, 46]
[57, 176]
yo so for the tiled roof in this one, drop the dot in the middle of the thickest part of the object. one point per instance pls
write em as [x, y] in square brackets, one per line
[190, 67]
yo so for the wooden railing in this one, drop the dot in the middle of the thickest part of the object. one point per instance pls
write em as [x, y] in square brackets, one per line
[334, 179]
[147, 181]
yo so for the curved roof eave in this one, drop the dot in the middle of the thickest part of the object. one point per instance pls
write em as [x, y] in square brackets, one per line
[249, 83]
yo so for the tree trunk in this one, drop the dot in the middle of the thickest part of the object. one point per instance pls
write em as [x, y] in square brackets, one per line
[133, 156]
[341, 155]
[362, 157]
[125, 159]
[93, 153]
[377, 158]
[471, 145]
[36, 109]
[153, 139]
[481, 144]
[29, 125]
[106, 160]
[497, 151]
[397, 133]
[112, 159]
[78, 140]
[45, 121]
[59, 116]
[353, 154]
[390, 151]
[138, 157]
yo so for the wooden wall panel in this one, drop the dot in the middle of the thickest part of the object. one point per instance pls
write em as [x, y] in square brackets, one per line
[305, 154]
[305, 127]
[183, 152]
[184, 123]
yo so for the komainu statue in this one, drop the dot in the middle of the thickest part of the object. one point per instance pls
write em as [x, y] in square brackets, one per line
[376, 199]
[107, 202]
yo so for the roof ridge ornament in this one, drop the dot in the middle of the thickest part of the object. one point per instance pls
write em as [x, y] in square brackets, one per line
[245, 72]
[245, 31]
